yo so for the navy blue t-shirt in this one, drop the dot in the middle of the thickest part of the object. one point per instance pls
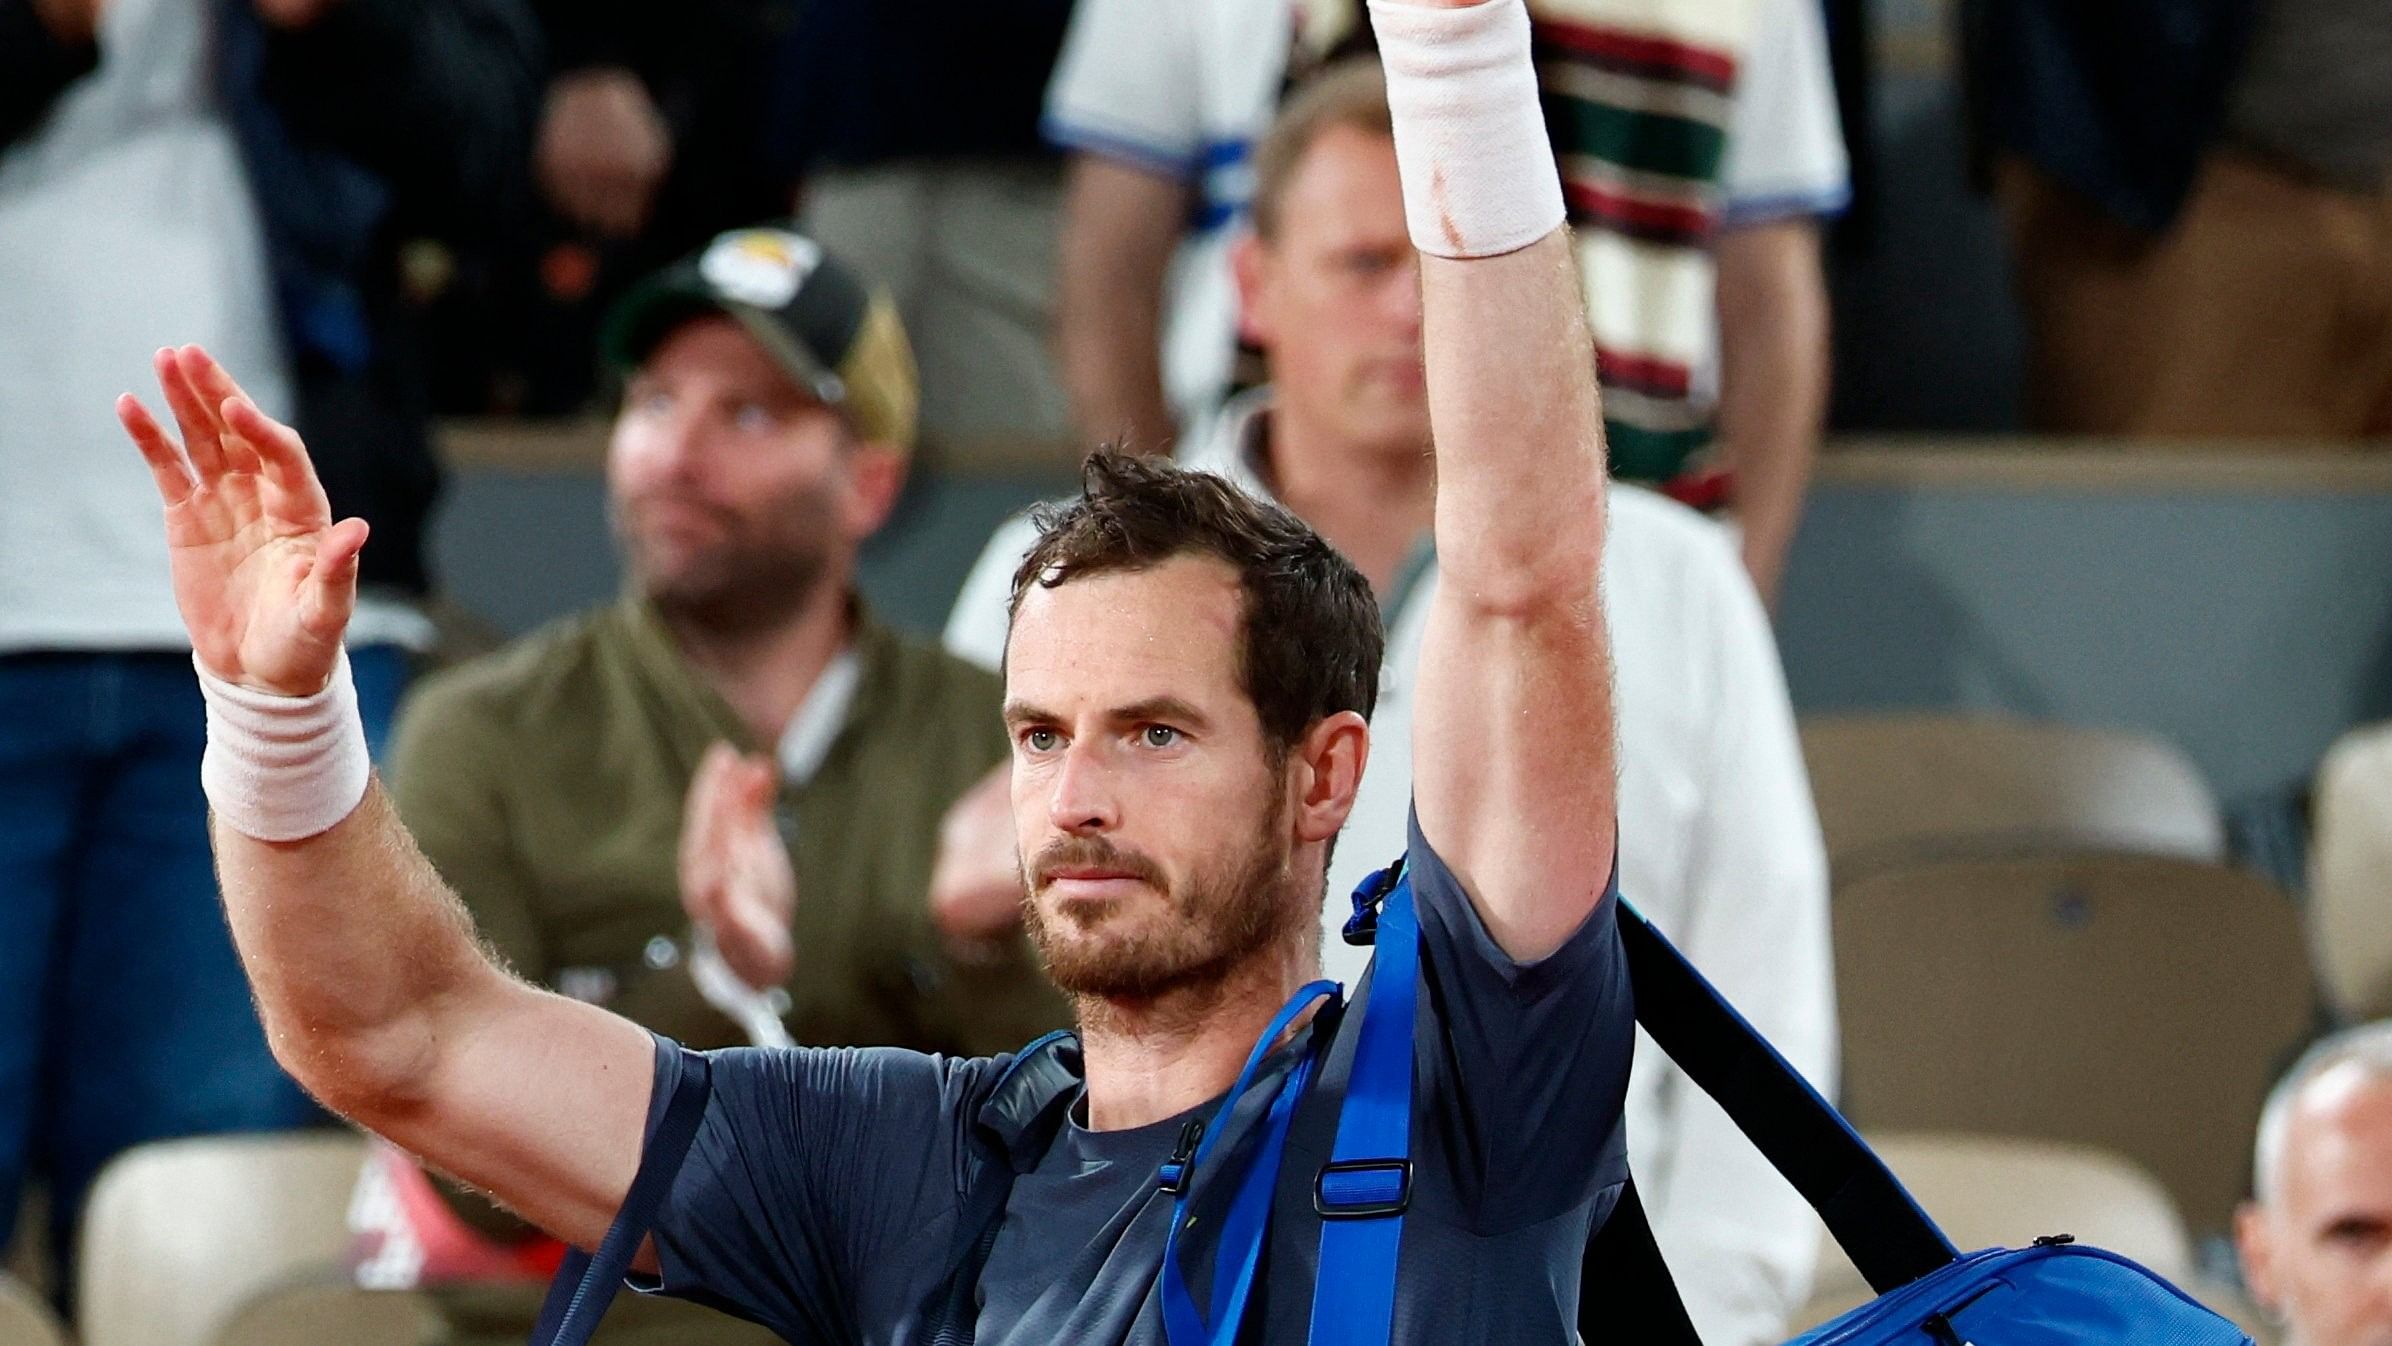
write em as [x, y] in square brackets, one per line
[822, 1193]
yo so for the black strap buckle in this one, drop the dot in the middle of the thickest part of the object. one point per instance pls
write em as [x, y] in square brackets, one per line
[1362, 928]
[1172, 1177]
[1362, 1189]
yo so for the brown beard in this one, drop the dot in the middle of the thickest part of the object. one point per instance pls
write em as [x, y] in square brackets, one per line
[757, 578]
[1223, 918]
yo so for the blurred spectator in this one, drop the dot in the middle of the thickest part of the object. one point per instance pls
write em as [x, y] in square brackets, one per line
[733, 798]
[237, 173]
[914, 128]
[2199, 200]
[652, 139]
[2317, 1238]
[1718, 840]
[1698, 145]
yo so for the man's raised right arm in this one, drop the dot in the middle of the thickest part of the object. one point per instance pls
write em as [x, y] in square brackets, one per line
[375, 992]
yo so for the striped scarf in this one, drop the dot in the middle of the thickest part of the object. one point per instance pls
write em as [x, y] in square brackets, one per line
[1637, 99]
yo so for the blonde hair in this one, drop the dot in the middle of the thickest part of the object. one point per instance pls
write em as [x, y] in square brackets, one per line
[1350, 93]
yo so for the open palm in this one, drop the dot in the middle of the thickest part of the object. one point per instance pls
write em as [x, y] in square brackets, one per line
[265, 579]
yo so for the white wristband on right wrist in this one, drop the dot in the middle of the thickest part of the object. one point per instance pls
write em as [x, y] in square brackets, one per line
[1478, 170]
[283, 768]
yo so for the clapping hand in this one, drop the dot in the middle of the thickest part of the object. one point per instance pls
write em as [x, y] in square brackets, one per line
[264, 577]
[736, 880]
[976, 882]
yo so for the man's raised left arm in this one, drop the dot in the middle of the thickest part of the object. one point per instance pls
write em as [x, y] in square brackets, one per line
[1514, 743]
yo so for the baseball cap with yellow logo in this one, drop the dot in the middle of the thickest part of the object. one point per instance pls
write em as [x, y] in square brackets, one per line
[833, 333]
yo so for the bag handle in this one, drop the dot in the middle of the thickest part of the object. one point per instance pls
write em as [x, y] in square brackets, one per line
[585, 1283]
[1865, 1207]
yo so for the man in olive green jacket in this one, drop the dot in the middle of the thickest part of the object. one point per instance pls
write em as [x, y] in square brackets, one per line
[731, 805]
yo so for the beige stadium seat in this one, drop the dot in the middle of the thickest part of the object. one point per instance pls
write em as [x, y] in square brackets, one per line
[179, 1234]
[2137, 1004]
[332, 1312]
[1896, 786]
[2350, 875]
[24, 1319]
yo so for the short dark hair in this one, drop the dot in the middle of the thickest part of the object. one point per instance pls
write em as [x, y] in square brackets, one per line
[1310, 639]
[1351, 93]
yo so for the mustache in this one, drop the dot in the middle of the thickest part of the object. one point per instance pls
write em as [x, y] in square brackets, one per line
[1092, 853]
[635, 507]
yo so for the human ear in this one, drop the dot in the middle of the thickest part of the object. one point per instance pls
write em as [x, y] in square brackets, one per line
[875, 477]
[1249, 267]
[2255, 1241]
[1329, 760]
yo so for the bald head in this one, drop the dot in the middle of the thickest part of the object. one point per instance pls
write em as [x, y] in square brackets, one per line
[2317, 1243]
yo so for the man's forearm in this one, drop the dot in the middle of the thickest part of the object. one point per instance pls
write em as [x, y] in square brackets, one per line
[355, 949]
[1513, 408]
[1773, 382]
[1121, 226]
[1113, 371]
[1520, 474]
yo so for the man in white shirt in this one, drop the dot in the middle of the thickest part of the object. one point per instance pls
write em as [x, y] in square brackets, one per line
[1719, 842]
[1160, 103]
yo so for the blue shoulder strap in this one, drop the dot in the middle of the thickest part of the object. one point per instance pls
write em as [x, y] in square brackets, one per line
[1237, 1254]
[1364, 1189]
[586, 1283]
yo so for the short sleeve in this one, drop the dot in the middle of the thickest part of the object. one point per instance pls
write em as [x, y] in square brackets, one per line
[1125, 87]
[1538, 1052]
[1785, 151]
[812, 1171]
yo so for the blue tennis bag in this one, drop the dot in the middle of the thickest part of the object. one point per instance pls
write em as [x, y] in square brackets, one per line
[2054, 1293]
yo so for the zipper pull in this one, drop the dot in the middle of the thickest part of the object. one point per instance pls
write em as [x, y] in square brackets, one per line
[2055, 1240]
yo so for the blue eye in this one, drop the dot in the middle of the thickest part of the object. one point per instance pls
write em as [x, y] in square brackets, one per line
[1040, 740]
[1160, 735]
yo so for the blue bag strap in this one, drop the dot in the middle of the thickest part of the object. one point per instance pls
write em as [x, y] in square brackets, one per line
[1239, 1251]
[586, 1283]
[1875, 1220]
[1364, 1189]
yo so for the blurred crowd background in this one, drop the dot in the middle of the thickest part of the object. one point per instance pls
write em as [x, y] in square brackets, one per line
[2003, 594]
